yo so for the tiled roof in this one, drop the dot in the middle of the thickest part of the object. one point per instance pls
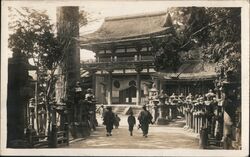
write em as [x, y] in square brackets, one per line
[126, 27]
[190, 70]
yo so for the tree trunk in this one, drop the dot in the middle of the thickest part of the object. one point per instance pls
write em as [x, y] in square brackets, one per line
[68, 29]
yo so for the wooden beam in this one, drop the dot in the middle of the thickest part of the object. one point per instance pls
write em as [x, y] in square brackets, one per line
[121, 41]
[127, 54]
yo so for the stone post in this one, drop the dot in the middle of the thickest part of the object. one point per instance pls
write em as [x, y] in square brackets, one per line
[53, 139]
[66, 129]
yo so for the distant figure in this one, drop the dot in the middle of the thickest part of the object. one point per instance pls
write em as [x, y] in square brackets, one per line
[101, 110]
[109, 119]
[117, 121]
[155, 112]
[131, 123]
[145, 118]
[92, 119]
[89, 95]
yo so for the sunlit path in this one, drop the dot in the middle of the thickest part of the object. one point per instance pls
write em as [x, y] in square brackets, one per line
[160, 137]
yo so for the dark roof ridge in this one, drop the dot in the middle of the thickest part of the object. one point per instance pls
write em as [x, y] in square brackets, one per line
[141, 15]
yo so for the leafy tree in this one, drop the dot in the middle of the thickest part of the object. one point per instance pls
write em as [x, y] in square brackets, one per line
[215, 32]
[224, 44]
[166, 49]
[33, 35]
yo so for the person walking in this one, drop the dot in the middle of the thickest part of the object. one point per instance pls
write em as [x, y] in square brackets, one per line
[131, 123]
[117, 121]
[145, 118]
[109, 119]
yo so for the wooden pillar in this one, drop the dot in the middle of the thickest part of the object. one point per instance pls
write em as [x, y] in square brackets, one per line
[138, 85]
[138, 89]
[53, 116]
[193, 123]
[199, 124]
[110, 87]
[179, 88]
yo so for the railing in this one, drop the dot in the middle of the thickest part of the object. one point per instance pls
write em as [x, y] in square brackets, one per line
[117, 64]
[39, 141]
[59, 138]
[56, 138]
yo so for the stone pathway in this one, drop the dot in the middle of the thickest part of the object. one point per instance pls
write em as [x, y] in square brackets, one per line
[159, 137]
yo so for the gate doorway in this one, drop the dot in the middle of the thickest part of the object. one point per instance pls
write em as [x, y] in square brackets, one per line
[127, 95]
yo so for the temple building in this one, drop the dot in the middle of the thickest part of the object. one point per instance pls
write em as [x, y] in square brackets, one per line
[193, 76]
[124, 67]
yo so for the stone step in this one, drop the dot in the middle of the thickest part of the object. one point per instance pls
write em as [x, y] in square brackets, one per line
[122, 109]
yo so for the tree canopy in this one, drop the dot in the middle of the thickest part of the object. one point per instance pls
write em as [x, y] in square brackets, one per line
[34, 35]
[214, 32]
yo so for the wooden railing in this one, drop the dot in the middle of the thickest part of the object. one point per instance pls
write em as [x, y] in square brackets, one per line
[56, 138]
[39, 141]
[118, 65]
[59, 138]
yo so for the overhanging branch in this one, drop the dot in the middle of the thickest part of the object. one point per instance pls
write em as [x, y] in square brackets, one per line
[203, 28]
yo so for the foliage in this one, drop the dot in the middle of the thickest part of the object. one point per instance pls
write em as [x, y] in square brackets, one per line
[33, 35]
[224, 46]
[215, 32]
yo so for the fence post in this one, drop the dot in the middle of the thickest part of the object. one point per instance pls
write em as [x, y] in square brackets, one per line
[66, 129]
[29, 137]
[54, 136]
[203, 138]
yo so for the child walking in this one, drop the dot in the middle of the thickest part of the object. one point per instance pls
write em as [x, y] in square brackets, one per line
[131, 123]
[117, 120]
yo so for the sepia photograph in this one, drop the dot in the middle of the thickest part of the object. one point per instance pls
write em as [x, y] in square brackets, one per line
[125, 78]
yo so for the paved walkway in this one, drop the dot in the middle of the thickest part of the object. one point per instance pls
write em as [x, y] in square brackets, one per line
[159, 137]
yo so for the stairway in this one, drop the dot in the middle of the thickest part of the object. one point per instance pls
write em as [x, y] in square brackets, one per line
[119, 109]
[124, 109]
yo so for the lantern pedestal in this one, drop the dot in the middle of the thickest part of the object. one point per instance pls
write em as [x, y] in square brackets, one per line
[162, 120]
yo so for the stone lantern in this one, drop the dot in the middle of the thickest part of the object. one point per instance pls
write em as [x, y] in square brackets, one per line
[19, 93]
[163, 109]
[153, 94]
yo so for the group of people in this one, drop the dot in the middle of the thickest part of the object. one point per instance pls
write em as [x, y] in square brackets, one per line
[204, 108]
[110, 119]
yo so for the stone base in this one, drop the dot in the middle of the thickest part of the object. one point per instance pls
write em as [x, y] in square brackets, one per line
[80, 130]
[162, 121]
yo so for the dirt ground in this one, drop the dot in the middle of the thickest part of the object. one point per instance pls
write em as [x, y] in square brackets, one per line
[171, 136]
